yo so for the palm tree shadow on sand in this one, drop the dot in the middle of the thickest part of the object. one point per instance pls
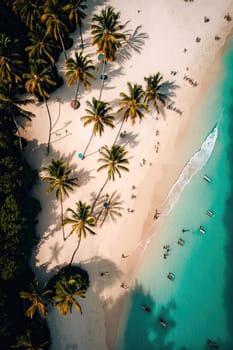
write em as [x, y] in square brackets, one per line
[128, 139]
[168, 89]
[135, 40]
[109, 208]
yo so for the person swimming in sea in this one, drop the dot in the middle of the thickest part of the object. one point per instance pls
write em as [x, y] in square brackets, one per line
[145, 308]
[162, 322]
[212, 344]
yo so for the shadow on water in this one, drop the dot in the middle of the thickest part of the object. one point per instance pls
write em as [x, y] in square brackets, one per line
[228, 305]
[143, 330]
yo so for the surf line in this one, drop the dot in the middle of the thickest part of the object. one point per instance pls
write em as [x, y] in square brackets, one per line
[195, 164]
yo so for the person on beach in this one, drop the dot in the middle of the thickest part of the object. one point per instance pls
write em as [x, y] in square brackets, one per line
[124, 285]
[104, 273]
[156, 215]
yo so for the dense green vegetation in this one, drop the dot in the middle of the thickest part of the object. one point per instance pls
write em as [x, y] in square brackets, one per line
[27, 47]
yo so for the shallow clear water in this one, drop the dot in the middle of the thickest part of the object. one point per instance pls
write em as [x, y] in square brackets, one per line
[198, 304]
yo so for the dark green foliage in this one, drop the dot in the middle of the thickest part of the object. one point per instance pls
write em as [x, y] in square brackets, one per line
[18, 213]
[69, 271]
[18, 210]
[11, 25]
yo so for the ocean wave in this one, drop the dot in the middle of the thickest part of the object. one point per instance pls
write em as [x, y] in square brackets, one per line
[196, 162]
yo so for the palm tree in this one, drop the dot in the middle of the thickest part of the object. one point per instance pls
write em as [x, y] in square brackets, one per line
[61, 182]
[66, 290]
[81, 222]
[38, 81]
[76, 15]
[114, 161]
[153, 92]
[106, 31]
[99, 115]
[111, 207]
[10, 104]
[78, 71]
[54, 19]
[42, 45]
[11, 64]
[28, 11]
[37, 296]
[25, 342]
[131, 105]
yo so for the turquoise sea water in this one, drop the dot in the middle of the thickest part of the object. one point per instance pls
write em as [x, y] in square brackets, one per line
[198, 304]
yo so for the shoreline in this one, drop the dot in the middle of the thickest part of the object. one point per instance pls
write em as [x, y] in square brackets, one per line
[149, 228]
[109, 248]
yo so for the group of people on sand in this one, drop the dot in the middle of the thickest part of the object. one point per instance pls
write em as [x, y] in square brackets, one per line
[175, 109]
[191, 81]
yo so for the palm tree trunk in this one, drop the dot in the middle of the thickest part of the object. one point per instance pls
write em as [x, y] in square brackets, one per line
[98, 196]
[76, 92]
[102, 84]
[84, 153]
[63, 229]
[62, 44]
[119, 131]
[81, 36]
[50, 124]
[75, 251]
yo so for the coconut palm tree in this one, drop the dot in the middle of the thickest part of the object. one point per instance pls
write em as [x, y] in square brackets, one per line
[55, 21]
[42, 45]
[132, 106]
[37, 296]
[65, 292]
[110, 208]
[106, 34]
[60, 180]
[99, 115]
[38, 81]
[25, 342]
[114, 160]
[11, 64]
[76, 15]
[78, 71]
[153, 92]
[81, 222]
[29, 11]
[10, 105]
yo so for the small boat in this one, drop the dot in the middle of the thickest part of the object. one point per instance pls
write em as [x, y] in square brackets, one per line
[181, 241]
[145, 308]
[207, 178]
[209, 213]
[171, 276]
[162, 322]
[202, 230]
[212, 344]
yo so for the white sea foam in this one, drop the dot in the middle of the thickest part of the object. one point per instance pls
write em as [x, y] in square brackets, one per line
[197, 161]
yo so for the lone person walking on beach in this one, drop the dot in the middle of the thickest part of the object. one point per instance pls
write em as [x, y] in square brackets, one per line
[156, 215]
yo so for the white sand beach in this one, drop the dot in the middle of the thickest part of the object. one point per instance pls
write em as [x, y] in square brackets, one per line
[158, 147]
